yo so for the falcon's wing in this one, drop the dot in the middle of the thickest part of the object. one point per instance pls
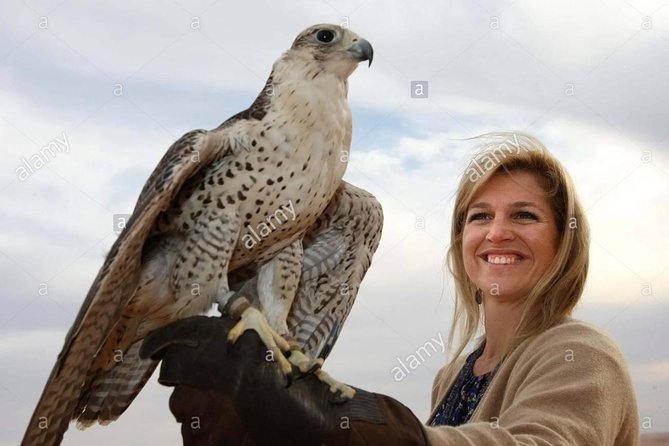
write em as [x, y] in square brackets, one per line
[115, 285]
[338, 250]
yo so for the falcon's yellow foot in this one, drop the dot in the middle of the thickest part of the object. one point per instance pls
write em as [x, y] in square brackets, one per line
[335, 386]
[252, 319]
[308, 365]
[303, 362]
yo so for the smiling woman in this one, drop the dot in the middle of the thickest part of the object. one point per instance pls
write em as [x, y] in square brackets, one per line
[520, 242]
[519, 257]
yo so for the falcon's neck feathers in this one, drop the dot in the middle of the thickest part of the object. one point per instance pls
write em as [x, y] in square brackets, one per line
[304, 92]
[293, 78]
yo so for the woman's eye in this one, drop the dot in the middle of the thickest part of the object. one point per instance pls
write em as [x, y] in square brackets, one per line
[526, 215]
[477, 216]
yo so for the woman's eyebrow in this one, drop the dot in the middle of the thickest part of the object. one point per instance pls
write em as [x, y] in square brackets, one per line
[522, 204]
[480, 204]
[517, 204]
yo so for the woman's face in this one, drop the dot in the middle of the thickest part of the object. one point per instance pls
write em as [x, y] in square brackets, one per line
[510, 236]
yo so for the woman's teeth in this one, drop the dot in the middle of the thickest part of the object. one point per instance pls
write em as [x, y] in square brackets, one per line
[503, 260]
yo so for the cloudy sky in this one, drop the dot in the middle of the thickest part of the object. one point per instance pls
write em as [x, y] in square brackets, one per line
[114, 84]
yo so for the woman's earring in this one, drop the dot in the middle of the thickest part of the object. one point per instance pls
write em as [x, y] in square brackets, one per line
[478, 297]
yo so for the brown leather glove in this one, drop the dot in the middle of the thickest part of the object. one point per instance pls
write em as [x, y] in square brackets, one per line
[231, 395]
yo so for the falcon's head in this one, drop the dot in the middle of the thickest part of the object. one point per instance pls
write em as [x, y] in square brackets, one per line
[335, 49]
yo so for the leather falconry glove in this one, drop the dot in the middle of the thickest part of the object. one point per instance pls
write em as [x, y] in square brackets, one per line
[230, 394]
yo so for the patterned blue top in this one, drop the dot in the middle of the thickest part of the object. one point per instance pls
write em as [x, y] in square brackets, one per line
[461, 401]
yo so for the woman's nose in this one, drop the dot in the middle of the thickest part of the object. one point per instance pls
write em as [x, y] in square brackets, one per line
[499, 231]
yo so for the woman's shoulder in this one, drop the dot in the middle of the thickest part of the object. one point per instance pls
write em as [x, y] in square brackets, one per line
[574, 336]
[576, 330]
[575, 353]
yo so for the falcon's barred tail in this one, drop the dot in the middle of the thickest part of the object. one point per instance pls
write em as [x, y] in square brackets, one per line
[111, 392]
[118, 373]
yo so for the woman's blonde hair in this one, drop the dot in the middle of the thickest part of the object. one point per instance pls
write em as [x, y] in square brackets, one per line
[557, 292]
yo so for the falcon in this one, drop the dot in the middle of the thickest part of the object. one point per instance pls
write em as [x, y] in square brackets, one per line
[253, 216]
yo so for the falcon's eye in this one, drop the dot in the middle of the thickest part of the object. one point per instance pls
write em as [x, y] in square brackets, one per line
[325, 36]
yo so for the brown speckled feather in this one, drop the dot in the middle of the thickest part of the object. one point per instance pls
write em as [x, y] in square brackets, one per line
[112, 288]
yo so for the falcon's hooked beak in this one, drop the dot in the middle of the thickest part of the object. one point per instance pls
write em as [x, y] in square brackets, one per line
[362, 50]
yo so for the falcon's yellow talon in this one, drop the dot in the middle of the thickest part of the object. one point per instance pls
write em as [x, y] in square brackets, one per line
[303, 362]
[306, 364]
[253, 319]
[347, 392]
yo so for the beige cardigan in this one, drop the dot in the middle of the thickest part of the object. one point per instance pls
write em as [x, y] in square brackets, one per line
[567, 386]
